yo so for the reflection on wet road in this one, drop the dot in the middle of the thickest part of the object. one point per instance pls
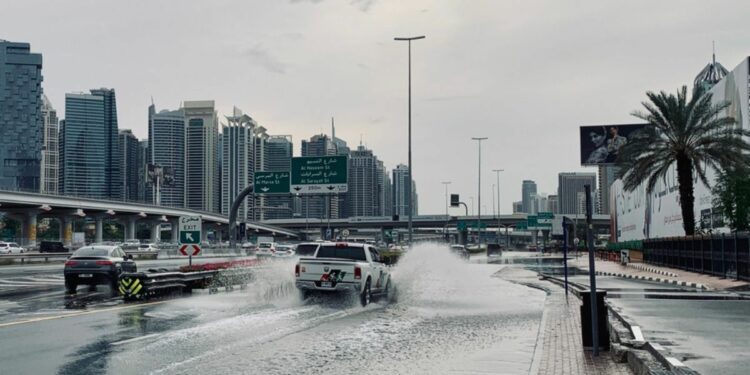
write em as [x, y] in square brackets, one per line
[449, 316]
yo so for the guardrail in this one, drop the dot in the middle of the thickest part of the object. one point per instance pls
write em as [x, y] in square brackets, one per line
[719, 255]
[47, 256]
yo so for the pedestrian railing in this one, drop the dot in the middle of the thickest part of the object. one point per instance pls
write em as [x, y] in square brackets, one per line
[723, 255]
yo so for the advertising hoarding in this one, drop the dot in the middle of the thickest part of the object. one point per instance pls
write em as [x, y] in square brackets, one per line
[637, 215]
[601, 144]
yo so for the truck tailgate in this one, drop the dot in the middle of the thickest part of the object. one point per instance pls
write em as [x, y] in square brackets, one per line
[327, 270]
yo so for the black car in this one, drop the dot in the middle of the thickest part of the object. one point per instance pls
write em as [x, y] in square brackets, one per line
[94, 265]
[52, 247]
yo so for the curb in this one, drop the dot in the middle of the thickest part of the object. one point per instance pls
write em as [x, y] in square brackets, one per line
[642, 267]
[655, 279]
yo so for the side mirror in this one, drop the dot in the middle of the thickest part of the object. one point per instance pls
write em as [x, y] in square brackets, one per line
[129, 257]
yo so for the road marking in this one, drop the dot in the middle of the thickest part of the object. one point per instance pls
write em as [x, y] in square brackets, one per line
[134, 339]
[9, 324]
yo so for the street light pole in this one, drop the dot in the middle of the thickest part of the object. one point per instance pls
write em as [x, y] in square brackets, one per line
[497, 172]
[411, 171]
[446, 183]
[479, 189]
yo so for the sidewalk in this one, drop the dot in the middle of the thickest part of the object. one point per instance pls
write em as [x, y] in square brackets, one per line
[559, 350]
[712, 282]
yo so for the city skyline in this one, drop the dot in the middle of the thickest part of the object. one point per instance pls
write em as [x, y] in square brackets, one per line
[287, 61]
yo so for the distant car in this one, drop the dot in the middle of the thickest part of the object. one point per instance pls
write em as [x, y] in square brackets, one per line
[265, 249]
[10, 248]
[460, 251]
[148, 247]
[494, 250]
[52, 247]
[131, 244]
[94, 265]
[284, 251]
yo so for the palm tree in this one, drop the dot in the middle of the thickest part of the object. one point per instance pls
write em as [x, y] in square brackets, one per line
[692, 134]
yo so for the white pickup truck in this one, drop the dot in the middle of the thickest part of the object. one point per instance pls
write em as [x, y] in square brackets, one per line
[343, 267]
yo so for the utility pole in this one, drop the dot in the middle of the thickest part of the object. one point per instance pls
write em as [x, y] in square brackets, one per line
[479, 189]
[446, 183]
[497, 173]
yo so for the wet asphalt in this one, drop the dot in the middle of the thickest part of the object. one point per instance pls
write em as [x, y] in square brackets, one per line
[448, 316]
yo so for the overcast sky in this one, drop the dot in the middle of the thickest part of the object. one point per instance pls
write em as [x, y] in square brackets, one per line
[525, 74]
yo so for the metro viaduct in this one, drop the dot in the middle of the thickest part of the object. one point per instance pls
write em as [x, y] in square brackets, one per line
[601, 222]
[29, 208]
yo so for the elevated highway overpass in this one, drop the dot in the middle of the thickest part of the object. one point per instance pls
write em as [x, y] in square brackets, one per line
[29, 208]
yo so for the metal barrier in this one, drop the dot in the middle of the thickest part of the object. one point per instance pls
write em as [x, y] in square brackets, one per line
[47, 256]
[724, 255]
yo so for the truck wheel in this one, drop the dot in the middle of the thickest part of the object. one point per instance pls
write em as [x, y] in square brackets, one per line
[366, 295]
[70, 285]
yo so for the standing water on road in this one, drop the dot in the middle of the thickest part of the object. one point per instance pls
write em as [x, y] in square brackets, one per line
[449, 316]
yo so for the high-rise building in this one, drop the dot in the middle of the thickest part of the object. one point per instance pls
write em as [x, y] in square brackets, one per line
[202, 192]
[237, 161]
[112, 154]
[552, 204]
[50, 153]
[319, 206]
[568, 187]
[387, 194]
[279, 151]
[401, 192]
[166, 148]
[539, 203]
[366, 184]
[129, 168]
[143, 157]
[606, 176]
[517, 207]
[528, 190]
[84, 141]
[21, 123]
[341, 199]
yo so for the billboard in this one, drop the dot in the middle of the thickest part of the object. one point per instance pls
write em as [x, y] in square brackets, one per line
[600, 144]
[637, 215]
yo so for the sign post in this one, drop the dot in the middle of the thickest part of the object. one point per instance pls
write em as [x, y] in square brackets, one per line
[272, 182]
[190, 236]
[319, 174]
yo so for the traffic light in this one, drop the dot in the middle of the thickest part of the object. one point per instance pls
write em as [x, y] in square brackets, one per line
[454, 200]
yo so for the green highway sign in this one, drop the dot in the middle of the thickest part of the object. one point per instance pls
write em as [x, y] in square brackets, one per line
[320, 174]
[544, 220]
[271, 182]
[531, 221]
[190, 230]
[521, 226]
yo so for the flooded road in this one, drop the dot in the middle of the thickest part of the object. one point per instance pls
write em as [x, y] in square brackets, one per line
[449, 316]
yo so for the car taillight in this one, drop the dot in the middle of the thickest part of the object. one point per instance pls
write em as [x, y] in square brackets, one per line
[70, 263]
[296, 270]
[103, 263]
[357, 273]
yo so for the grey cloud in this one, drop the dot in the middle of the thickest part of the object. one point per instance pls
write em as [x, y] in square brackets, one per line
[363, 5]
[259, 56]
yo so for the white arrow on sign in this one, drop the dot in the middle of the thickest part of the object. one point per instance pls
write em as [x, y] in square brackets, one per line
[264, 189]
[189, 236]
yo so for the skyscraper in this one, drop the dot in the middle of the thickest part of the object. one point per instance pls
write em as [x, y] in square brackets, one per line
[50, 152]
[21, 124]
[166, 147]
[553, 203]
[129, 168]
[319, 206]
[112, 154]
[365, 183]
[606, 176]
[387, 194]
[202, 192]
[84, 142]
[401, 192]
[237, 167]
[568, 187]
[143, 157]
[279, 151]
[528, 190]
[517, 207]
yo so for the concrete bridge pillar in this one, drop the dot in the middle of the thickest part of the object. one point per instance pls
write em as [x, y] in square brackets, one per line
[67, 230]
[155, 231]
[98, 237]
[30, 228]
[175, 223]
[130, 228]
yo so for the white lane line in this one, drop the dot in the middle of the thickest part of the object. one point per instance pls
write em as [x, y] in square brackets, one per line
[134, 339]
[2, 325]
[637, 333]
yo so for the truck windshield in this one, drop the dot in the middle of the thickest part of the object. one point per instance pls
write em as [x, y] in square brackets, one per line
[344, 252]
